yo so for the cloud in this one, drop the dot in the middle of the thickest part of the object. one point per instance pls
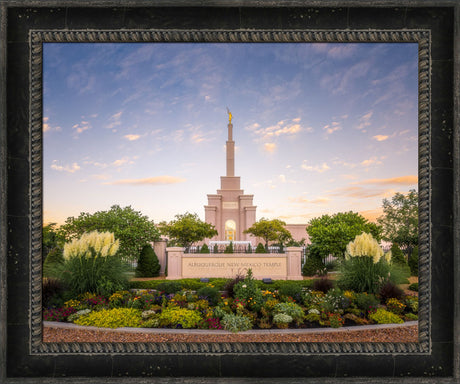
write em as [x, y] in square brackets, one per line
[282, 178]
[364, 121]
[402, 180]
[74, 167]
[101, 177]
[270, 147]
[372, 161]
[381, 137]
[372, 214]
[132, 137]
[125, 160]
[81, 127]
[331, 128]
[158, 180]
[303, 200]
[289, 128]
[114, 120]
[315, 168]
[361, 192]
[340, 82]
[47, 127]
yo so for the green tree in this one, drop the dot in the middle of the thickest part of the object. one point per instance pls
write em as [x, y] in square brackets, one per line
[148, 264]
[133, 229]
[50, 239]
[399, 221]
[270, 230]
[187, 229]
[397, 256]
[260, 248]
[331, 234]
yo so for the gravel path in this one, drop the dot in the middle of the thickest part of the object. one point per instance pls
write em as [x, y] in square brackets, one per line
[63, 332]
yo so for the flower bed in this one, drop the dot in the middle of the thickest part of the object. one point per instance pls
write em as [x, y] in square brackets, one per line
[244, 305]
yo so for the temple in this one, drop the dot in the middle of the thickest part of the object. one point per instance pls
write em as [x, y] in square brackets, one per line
[230, 210]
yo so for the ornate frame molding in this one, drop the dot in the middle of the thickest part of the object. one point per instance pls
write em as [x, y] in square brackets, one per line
[422, 37]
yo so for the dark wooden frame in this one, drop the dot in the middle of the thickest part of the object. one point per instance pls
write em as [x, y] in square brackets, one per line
[25, 25]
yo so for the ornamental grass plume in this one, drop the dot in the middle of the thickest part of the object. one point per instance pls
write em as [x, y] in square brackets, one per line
[92, 244]
[364, 245]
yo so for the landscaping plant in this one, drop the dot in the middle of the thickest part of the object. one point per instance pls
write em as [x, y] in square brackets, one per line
[91, 264]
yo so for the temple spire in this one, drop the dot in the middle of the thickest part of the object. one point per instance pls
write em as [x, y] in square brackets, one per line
[230, 147]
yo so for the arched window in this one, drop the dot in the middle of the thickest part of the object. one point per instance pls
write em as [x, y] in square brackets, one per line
[230, 230]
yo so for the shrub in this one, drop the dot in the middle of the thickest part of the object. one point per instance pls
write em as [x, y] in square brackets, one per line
[169, 287]
[211, 294]
[112, 318]
[52, 293]
[295, 311]
[76, 315]
[204, 249]
[230, 285]
[314, 262]
[91, 264]
[411, 316]
[382, 316]
[248, 291]
[236, 323]
[58, 314]
[412, 303]
[397, 256]
[215, 249]
[282, 320]
[335, 320]
[365, 301]
[413, 262]
[54, 257]
[179, 317]
[414, 287]
[229, 248]
[260, 248]
[291, 290]
[249, 249]
[148, 264]
[390, 290]
[395, 306]
[365, 265]
[323, 284]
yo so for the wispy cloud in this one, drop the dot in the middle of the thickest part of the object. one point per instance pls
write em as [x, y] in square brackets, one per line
[364, 121]
[341, 81]
[47, 127]
[114, 120]
[315, 168]
[125, 160]
[81, 127]
[158, 180]
[72, 168]
[333, 127]
[380, 137]
[358, 192]
[374, 160]
[283, 127]
[303, 200]
[402, 180]
[132, 137]
[270, 147]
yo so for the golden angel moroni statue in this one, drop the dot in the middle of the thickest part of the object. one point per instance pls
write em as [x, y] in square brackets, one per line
[229, 116]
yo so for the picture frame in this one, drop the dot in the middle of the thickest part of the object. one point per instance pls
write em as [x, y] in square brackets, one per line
[26, 26]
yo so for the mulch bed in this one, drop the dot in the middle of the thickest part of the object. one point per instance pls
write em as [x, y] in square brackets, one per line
[403, 334]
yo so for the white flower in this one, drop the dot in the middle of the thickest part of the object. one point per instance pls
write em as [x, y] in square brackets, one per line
[244, 285]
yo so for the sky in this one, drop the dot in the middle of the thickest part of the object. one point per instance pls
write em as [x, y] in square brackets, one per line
[318, 128]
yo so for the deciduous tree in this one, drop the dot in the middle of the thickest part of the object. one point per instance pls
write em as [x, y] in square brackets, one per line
[332, 233]
[399, 221]
[187, 229]
[133, 229]
[270, 230]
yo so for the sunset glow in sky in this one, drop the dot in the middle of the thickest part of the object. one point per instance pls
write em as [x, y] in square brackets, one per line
[318, 128]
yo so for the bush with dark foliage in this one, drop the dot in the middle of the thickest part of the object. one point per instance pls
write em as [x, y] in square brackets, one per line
[390, 291]
[323, 284]
[148, 264]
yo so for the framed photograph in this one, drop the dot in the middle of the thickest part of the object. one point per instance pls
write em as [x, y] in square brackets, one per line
[82, 67]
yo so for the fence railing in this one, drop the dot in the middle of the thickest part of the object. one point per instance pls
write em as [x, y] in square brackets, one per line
[237, 248]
